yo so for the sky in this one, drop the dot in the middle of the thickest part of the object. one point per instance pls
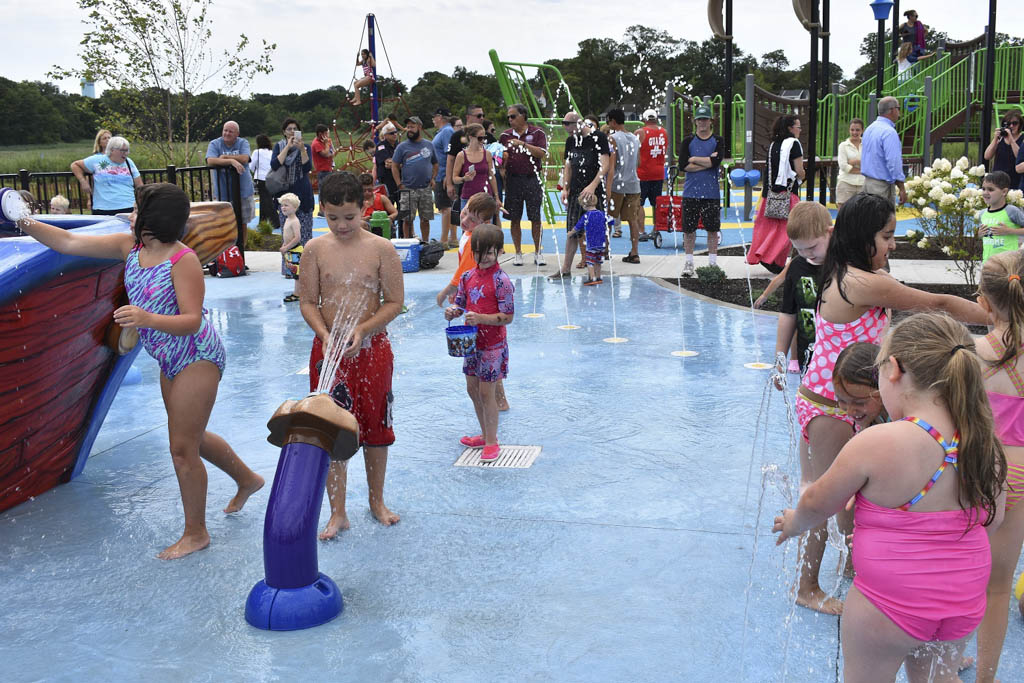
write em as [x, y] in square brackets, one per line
[317, 40]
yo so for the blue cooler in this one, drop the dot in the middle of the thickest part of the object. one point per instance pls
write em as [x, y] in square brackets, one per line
[409, 253]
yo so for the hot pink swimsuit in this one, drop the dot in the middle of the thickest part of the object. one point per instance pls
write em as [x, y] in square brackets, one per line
[926, 571]
[1008, 414]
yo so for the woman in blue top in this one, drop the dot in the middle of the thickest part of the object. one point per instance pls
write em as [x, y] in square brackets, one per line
[114, 179]
[295, 157]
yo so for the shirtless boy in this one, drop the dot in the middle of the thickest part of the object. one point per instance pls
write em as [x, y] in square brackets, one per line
[353, 279]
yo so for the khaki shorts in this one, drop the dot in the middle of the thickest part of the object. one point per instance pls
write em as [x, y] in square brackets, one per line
[419, 201]
[881, 188]
[845, 191]
[624, 206]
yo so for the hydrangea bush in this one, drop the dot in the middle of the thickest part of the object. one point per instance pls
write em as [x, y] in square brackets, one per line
[947, 198]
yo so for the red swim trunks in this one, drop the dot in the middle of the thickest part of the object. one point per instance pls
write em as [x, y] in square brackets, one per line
[363, 387]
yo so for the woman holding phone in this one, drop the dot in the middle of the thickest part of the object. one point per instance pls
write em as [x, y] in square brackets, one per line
[291, 153]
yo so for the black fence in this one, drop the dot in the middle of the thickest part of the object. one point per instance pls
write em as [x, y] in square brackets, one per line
[196, 181]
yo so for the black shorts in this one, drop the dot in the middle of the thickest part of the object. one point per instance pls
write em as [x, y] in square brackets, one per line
[441, 198]
[707, 211]
[523, 189]
[650, 190]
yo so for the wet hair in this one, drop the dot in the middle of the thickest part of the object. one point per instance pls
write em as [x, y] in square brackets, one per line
[859, 122]
[938, 354]
[857, 364]
[481, 205]
[1006, 295]
[263, 142]
[321, 128]
[853, 239]
[288, 121]
[340, 188]
[96, 143]
[807, 221]
[616, 115]
[780, 129]
[486, 237]
[998, 178]
[29, 199]
[115, 143]
[162, 210]
[290, 198]
[473, 130]
[587, 202]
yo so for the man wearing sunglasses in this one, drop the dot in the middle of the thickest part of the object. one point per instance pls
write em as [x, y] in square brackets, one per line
[1005, 149]
[526, 146]
[587, 160]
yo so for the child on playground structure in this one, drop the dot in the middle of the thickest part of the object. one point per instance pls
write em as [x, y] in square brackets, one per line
[366, 61]
[809, 229]
[921, 551]
[487, 297]
[855, 380]
[1002, 296]
[853, 302]
[164, 282]
[1002, 223]
[480, 209]
[592, 227]
[352, 280]
[290, 238]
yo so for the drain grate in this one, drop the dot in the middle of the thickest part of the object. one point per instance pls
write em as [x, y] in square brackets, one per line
[518, 457]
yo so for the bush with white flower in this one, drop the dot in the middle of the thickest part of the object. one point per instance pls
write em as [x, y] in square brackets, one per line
[947, 199]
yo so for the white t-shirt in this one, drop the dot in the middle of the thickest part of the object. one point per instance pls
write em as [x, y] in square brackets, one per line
[259, 165]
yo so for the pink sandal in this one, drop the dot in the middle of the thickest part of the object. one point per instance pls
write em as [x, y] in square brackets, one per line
[472, 441]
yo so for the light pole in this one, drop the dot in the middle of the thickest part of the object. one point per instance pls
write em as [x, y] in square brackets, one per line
[881, 9]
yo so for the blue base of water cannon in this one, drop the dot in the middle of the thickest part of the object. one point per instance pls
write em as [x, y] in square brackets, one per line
[293, 609]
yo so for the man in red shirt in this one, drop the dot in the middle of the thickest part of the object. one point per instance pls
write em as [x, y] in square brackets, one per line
[526, 146]
[323, 153]
[651, 166]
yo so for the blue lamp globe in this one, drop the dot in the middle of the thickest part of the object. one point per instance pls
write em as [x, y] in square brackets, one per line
[881, 9]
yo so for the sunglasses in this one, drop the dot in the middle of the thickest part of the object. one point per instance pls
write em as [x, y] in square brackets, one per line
[482, 139]
[513, 117]
[1007, 124]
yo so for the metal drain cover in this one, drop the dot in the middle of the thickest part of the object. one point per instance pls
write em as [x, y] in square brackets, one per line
[518, 457]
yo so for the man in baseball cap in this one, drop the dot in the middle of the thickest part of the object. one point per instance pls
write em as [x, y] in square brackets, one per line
[442, 135]
[651, 169]
[700, 156]
[650, 115]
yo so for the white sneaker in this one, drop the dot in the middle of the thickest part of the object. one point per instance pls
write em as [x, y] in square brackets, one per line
[518, 260]
[538, 259]
[688, 269]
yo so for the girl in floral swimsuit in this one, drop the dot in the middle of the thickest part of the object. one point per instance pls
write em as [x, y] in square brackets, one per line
[855, 295]
[922, 551]
[164, 281]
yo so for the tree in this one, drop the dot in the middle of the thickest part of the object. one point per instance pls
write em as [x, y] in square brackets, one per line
[154, 55]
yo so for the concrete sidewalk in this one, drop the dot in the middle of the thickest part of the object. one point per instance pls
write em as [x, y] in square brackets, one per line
[666, 265]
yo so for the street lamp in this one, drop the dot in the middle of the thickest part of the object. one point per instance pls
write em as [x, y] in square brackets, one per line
[881, 9]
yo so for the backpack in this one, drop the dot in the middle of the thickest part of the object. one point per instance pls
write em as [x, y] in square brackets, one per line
[228, 264]
[430, 254]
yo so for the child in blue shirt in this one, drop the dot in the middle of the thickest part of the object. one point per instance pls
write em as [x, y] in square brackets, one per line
[594, 224]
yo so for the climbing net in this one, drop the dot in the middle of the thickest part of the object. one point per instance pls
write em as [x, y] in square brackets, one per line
[349, 143]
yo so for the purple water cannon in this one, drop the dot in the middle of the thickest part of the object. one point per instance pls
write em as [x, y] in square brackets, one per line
[294, 594]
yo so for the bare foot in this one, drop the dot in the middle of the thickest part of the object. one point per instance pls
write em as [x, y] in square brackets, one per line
[356, 103]
[820, 602]
[243, 494]
[383, 515]
[335, 525]
[503, 406]
[966, 663]
[185, 546]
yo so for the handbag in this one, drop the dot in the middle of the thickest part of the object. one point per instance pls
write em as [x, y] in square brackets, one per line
[277, 180]
[776, 204]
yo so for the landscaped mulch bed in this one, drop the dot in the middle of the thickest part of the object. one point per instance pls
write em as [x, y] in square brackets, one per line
[905, 249]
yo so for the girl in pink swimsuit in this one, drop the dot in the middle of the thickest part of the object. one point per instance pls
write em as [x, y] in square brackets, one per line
[855, 297]
[1003, 297]
[926, 486]
[164, 282]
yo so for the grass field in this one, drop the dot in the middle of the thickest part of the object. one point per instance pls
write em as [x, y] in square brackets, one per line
[58, 156]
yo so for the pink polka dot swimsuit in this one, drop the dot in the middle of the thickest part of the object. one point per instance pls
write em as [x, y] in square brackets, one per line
[829, 341]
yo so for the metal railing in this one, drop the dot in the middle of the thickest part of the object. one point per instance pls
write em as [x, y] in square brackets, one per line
[196, 181]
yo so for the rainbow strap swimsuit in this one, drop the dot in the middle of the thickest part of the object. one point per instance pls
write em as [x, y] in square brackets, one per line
[952, 450]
